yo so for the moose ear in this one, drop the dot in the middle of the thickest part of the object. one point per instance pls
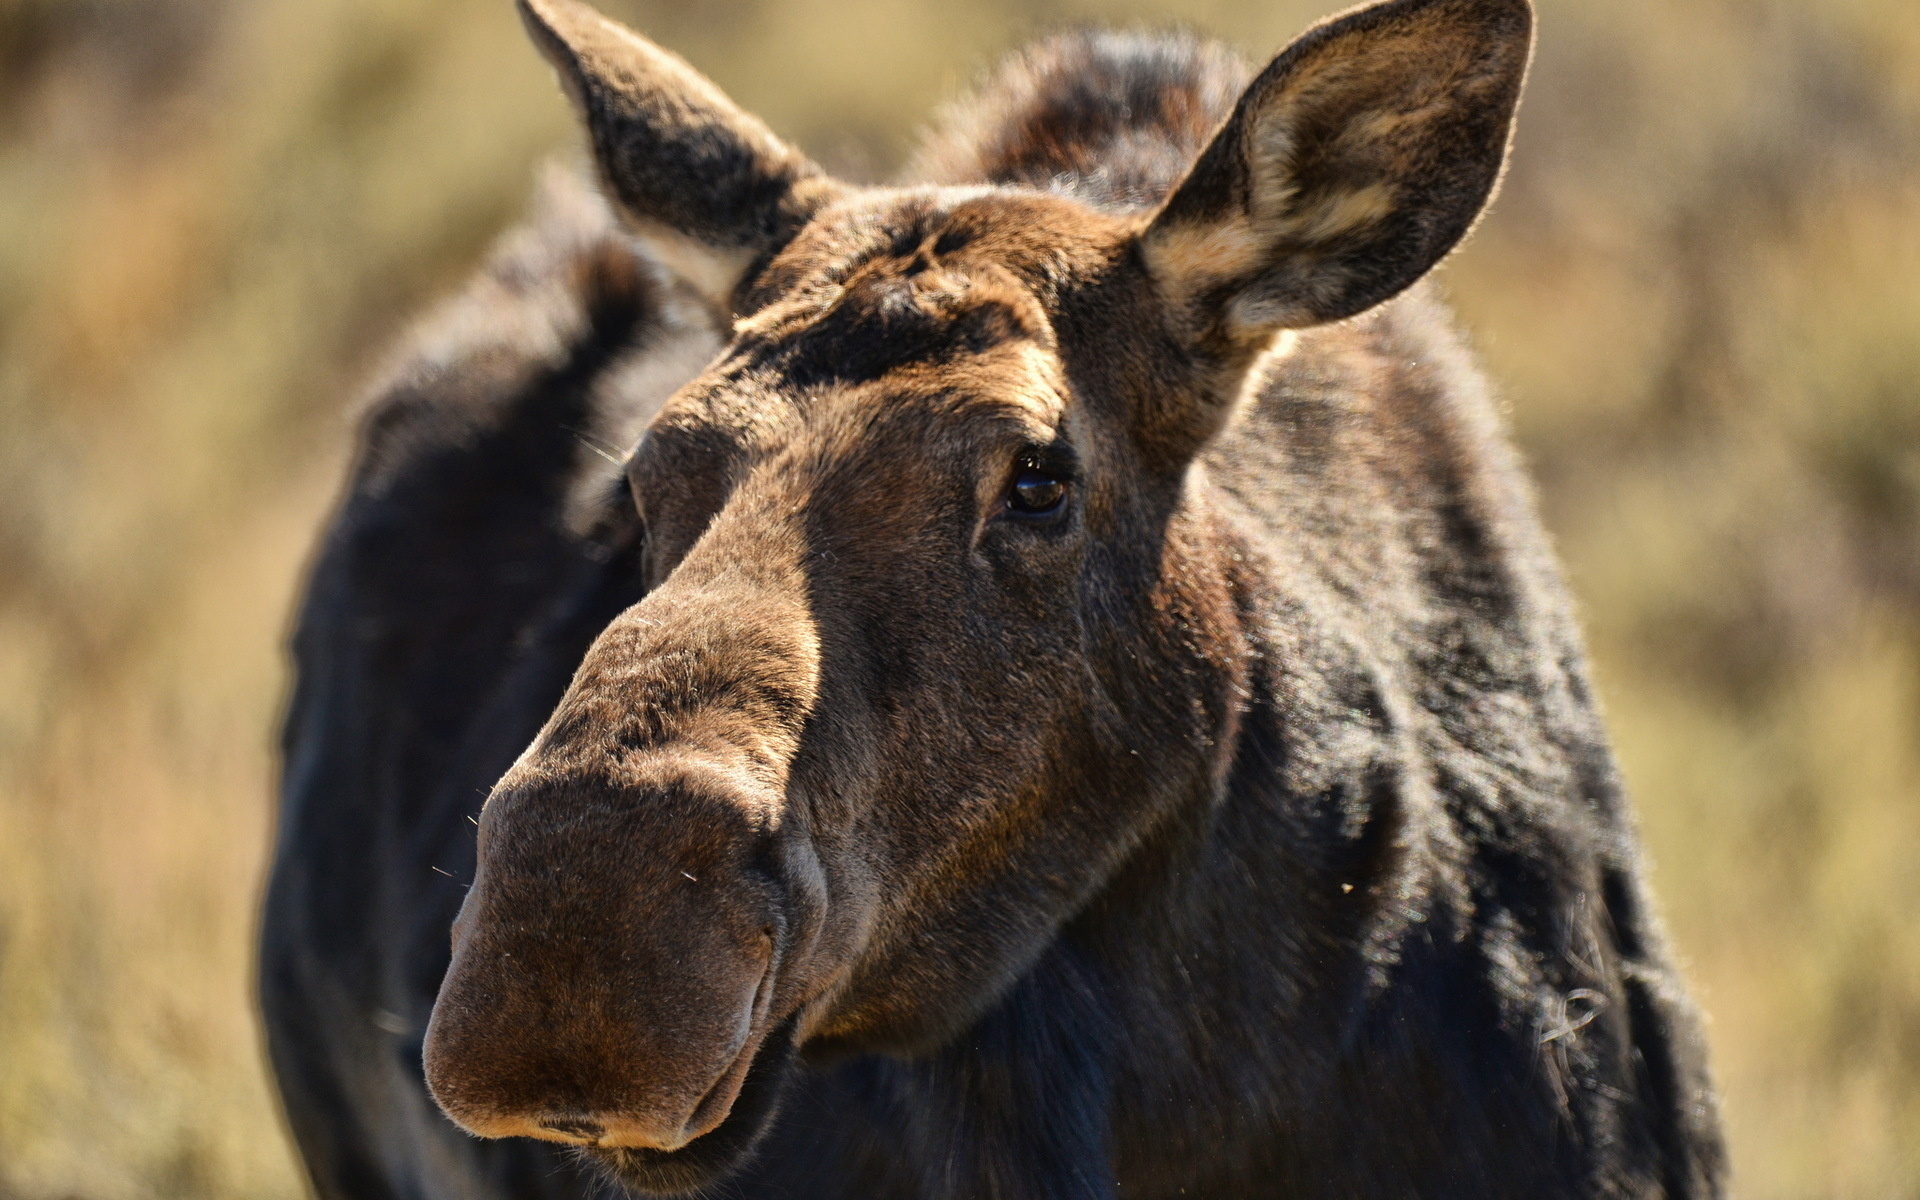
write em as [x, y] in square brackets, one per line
[709, 186]
[1350, 166]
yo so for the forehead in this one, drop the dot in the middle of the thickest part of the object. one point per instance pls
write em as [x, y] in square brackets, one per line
[1036, 238]
[939, 300]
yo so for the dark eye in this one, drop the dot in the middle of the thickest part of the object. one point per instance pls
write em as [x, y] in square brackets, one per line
[1036, 492]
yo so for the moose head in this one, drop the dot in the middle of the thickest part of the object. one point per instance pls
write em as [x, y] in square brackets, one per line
[941, 628]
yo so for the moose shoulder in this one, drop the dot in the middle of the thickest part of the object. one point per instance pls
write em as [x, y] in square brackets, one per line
[1067, 699]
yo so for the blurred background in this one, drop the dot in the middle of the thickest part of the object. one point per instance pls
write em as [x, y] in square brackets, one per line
[1700, 294]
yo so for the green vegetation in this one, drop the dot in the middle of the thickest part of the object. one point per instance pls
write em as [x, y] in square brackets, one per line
[1700, 293]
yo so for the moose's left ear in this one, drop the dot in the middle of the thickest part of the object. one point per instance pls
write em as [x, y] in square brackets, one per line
[1351, 165]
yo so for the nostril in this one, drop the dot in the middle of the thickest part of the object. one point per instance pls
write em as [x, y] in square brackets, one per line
[574, 1127]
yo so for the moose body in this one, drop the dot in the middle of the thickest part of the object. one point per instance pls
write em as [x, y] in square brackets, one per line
[1067, 698]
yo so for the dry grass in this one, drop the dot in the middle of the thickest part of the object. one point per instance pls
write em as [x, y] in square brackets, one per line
[1701, 292]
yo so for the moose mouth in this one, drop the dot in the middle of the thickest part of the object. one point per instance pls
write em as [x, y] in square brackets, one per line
[722, 1149]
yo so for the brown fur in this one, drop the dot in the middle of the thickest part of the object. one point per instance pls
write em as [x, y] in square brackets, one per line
[1244, 828]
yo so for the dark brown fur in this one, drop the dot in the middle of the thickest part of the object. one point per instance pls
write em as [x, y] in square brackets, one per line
[1245, 829]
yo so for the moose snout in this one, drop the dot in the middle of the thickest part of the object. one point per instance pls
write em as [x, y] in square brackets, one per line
[613, 965]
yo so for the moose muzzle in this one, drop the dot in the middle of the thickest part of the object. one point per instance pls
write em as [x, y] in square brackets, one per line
[640, 876]
[613, 965]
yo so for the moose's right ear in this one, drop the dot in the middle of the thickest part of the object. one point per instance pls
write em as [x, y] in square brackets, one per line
[710, 187]
[1351, 165]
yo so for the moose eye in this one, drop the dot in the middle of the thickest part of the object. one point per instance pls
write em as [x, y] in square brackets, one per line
[1036, 493]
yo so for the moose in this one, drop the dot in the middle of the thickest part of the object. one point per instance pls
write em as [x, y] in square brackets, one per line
[1064, 695]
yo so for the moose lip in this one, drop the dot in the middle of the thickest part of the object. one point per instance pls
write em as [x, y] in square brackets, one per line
[723, 1148]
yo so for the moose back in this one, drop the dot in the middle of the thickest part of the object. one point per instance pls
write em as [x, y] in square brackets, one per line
[1066, 698]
